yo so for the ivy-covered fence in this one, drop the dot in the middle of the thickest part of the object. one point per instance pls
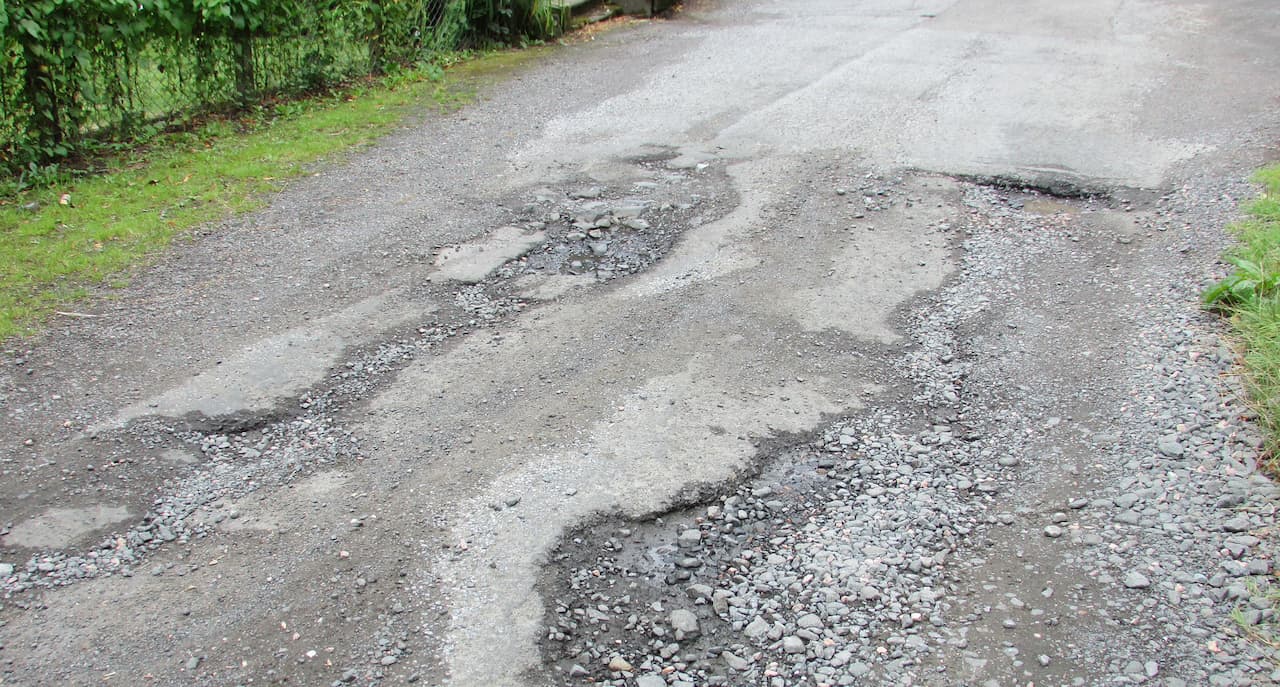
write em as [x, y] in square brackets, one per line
[73, 71]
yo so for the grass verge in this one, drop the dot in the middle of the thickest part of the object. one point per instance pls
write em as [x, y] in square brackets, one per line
[58, 241]
[1250, 296]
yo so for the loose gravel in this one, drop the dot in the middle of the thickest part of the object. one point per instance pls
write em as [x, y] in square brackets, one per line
[1009, 524]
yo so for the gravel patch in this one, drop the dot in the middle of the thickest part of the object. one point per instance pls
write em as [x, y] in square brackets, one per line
[1056, 502]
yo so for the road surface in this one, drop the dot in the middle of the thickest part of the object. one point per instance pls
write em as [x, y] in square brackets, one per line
[786, 343]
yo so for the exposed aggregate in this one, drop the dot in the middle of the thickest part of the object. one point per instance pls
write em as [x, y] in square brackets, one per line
[862, 556]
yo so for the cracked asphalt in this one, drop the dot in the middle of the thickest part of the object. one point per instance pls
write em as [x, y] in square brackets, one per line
[892, 303]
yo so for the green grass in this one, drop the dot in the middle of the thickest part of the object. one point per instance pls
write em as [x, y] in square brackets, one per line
[1250, 296]
[1265, 635]
[53, 253]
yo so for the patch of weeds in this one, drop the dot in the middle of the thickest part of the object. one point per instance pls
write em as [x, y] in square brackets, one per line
[62, 232]
[1259, 618]
[1250, 297]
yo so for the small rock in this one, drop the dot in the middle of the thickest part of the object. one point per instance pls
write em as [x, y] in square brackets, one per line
[1230, 501]
[690, 539]
[650, 681]
[1239, 523]
[720, 601]
[699, 591]
[735, 661]
[684, 622]
[809, 621]
[619, 664]
[756, 628]
[1053, 531]
[1136, 580]
[1170, 447]
[793, 645]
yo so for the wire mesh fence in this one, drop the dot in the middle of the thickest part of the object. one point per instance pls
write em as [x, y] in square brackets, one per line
[74, 72]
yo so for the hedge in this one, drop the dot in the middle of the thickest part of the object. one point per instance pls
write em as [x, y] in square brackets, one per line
[73, 72]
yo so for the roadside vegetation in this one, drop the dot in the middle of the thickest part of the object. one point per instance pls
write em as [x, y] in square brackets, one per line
[60, 238]
[1258, 621]
[125, 124]
[1250, 297]
[78, 77]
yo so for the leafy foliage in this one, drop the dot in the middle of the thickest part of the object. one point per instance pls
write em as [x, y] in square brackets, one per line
[75, 73]
[1250, 295]
[1257, 259]
[1250, 282]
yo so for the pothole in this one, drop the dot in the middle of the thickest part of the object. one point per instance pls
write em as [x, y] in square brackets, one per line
[617, 231]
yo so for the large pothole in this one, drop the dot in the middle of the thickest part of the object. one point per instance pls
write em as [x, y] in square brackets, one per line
[590, 233]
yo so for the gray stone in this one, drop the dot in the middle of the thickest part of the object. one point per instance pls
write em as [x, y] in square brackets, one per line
[699, 591]
[1128, 518]
[756, 628]
[619, 664]
[735, 661]
[690, 539]
[684, 622]
[651, 681]
[720, 601]
[793, 645]
[1239, 523]
[1170, 446]
[1136, 580]
[809, 621]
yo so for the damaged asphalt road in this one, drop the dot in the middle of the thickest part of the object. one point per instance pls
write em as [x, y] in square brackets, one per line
[773, 344]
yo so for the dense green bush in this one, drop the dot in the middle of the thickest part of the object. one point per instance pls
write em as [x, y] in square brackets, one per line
[74, 72]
